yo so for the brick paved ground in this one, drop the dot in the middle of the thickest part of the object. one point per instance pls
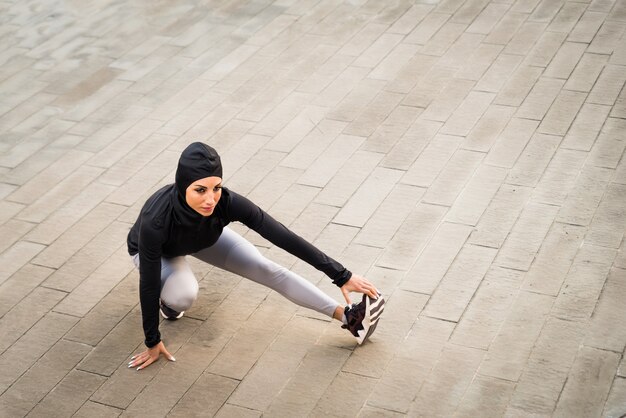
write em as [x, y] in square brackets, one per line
[465, 155]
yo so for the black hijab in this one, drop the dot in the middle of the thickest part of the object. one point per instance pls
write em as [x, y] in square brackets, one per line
[196, 162]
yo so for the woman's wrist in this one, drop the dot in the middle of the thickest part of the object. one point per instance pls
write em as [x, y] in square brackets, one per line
[343, 278]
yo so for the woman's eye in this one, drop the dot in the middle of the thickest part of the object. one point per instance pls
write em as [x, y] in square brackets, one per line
[200, 190]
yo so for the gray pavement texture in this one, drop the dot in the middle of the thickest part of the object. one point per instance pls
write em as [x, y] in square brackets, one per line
[467, 156]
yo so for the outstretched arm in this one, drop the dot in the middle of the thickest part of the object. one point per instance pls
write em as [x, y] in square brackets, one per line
[243, 210]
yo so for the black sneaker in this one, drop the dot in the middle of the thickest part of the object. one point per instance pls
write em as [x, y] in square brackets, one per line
[169, 313]
[363, 317]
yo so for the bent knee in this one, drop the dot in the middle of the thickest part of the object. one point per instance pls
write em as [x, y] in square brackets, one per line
[180, 290]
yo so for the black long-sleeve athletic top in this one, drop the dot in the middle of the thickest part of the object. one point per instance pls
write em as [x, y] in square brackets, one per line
[168, 227]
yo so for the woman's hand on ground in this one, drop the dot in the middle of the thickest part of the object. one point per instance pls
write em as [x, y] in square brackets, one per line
[146, 358]
[358, 284]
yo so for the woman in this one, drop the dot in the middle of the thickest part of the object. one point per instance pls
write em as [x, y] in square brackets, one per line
[190, 217]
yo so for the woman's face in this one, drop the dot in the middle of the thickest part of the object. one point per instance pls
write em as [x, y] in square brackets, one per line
[202, 195]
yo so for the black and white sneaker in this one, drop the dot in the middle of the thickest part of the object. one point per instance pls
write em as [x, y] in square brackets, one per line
[362, 318]
[169, 313]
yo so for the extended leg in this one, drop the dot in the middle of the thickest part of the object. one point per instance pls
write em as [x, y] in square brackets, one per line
[234, 253]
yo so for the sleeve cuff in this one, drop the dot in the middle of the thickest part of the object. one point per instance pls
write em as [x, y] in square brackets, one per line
[152, 341]
[342, 278]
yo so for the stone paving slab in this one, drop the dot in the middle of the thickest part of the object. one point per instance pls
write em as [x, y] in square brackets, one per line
[465, 155]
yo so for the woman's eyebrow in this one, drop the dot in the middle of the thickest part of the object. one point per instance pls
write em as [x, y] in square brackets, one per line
[206, 187]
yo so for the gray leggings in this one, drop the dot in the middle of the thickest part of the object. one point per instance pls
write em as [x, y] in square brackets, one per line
[232, 252]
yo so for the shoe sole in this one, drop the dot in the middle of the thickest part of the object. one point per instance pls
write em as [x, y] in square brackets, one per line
[180, 315]
[373, 308]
